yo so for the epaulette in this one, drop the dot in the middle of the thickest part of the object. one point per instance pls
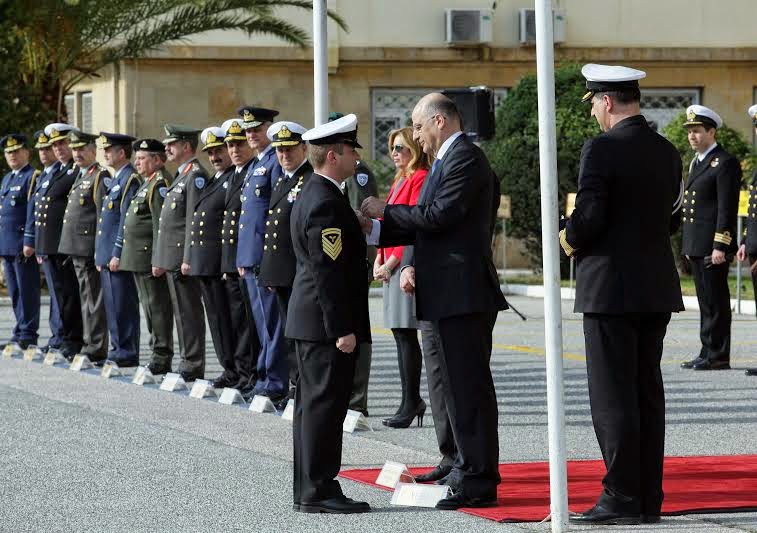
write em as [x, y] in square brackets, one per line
[151, 188]
[133, 178]
[32, 184]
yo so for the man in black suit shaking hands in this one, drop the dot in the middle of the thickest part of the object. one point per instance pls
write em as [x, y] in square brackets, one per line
[457, 287]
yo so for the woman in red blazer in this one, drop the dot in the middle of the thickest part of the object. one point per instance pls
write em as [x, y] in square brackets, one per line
[399, 308]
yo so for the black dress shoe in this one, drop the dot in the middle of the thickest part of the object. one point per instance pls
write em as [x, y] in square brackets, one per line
[751, 371]
[602, 516]
[459, 499]
[403, 420]
[690, 364]
[24, 344]
[712, 365]
[439, 472]
[225, 380]
[124, 363]
[190, 376]
[650, 518]
[156, 369]
[341, 505]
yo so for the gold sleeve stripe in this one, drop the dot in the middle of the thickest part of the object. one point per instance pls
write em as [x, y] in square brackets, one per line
[569, 250]
[723, 238]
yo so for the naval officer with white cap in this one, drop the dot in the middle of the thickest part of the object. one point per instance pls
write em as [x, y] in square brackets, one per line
[629, 188]
[709, 210]
[327, 316]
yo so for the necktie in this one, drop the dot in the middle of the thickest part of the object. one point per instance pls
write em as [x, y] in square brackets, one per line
[434, 165]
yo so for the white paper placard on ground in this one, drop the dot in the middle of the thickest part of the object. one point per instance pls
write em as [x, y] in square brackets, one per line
[80, 362]
[33, 353]
[202, 388]
[111, 370]
[289, 411]
[143, 376]
[231, 396]
[12, 350]
[262, 404]
[355, 421]
[418, 494]
[173, 382]
[393, 473]
[54, 357]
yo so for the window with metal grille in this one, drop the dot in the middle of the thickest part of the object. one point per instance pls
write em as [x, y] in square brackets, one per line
[662, 105]
[85, 108]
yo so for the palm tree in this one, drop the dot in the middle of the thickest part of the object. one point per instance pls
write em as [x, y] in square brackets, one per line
[64, 42]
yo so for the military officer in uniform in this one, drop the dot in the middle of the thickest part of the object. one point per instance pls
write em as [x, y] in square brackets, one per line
[119, 288]
[358, 187]
[21, 271]
[328, 316]
[627, 286]
[50, 166]
[78, 241]
[262, 174]
[49, 211]
[748, 248]
[278, 265]
[710, 208]
[248, 345]
[140, 233]
[204, 252]
[173, 238]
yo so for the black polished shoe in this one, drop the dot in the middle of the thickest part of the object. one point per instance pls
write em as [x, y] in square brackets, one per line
[156, 369]
[24, 344]
[190, 376]
[404, 420]
[751, 371]
[341, 505]
[124, 363]
[439, 472]
[690, 364]
[650, 518]
[712, 365]
[225, 380]
[598, 515]
[459, 499]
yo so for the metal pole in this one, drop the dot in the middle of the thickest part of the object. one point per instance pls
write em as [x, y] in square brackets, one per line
[739, 231]
[545, 75]
[320, 64]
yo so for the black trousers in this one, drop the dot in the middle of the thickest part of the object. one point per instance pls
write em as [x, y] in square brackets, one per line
[242, 326]
[321, 401]
[66, 289]
[217, 309]
[409, 359]
[714, 299]
[627, 400]
[186, 298]
[432, 353]
[466, 344]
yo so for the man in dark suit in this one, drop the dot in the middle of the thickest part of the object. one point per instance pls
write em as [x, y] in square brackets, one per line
[278, 265]
[748, 248]
[49, 210]
[328, 316]
[450, 230]
[626, 286]
[710, 208]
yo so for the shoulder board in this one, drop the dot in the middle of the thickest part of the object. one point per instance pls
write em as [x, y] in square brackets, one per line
[157, 183]
[134, 178]
[32, 184]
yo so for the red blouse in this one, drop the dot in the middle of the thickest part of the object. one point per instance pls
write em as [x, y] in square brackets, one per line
[407, 194]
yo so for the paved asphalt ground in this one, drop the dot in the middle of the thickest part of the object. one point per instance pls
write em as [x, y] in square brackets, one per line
[80, 453]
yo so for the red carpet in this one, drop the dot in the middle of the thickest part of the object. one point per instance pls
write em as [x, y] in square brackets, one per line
[691, 485]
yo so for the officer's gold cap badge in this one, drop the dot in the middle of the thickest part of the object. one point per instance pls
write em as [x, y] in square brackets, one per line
[284, 133]
[691, 115]
[331, 239]
[235, 127]
[247, 116]
[211, 138]
[54, 133]
[144, 144]
[74, 137]
[11, 142]
[102, 140]
[42, 138]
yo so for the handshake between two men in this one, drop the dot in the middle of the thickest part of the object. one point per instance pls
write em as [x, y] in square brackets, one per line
[373, 208]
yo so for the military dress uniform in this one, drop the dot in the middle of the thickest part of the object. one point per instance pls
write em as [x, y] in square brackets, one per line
[119, 288]
[329, 300]
[78, 242]
[278, 265]
[21, 272]
[140, 235]
[56, 327]
[173, 238]
[49, 211]
[749, 238]
[710, 208]
[262, 174]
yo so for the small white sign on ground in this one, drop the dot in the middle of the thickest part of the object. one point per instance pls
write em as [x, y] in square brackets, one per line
[12, 350]
[393, 473]
[202, 388]
[418, 495]
[262, 404]
[111, 370]
[32, 353]
[80, 362]
[355, 421]
[231, 396]
[173, 382]
[289, 411]
[143, 376]
[54, 357]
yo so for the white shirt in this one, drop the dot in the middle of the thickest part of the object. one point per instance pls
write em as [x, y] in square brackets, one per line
[700, 157]
[446, 144]
[332, 180]
[290, 174]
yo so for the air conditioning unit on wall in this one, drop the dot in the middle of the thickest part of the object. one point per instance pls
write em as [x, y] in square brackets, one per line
[528, 26]
[467, 27]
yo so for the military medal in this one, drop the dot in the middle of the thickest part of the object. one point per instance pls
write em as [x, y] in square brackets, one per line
[81, 201]
[110, 204]
[173, 205]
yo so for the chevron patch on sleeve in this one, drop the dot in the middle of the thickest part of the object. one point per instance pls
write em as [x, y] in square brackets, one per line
[331, 239]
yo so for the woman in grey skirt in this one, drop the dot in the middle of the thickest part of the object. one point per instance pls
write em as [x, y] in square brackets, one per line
[399, 308]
